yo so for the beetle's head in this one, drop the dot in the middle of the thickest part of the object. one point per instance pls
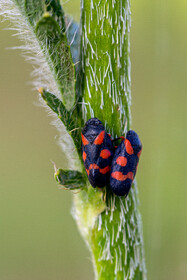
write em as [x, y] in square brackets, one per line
[93, 124]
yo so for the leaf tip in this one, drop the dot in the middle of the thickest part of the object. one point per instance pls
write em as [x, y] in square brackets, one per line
[57, 174]
[41, 90]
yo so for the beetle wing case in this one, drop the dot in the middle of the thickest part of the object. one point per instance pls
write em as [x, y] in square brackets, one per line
[97, 152]
[124, 164]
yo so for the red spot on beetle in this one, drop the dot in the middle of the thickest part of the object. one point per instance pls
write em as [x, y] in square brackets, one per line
[130, 175]
[84, 140]
[118, 176]
[99, 139]
[121, 177]
[84, 156]
[129, 148]
[122, 161]
[88, 171]
[105, 153]
[104, 170]
[93, 166]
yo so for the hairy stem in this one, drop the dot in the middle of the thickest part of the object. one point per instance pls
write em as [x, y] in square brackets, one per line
[112, 228]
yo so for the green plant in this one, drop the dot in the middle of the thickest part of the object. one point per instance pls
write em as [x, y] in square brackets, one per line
[76, 88]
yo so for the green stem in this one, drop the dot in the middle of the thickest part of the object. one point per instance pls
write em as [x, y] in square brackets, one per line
[112, 229]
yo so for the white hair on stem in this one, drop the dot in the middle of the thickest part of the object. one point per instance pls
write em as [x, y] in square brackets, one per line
[41, 75]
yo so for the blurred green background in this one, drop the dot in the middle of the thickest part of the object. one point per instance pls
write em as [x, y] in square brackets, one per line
[38, 236]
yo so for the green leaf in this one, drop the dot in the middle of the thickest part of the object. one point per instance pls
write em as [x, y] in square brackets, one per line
[69, 179]
[57, 106]
[57, 51]
[47, 21]
[55, 8]
[34, 10]
[67, 117]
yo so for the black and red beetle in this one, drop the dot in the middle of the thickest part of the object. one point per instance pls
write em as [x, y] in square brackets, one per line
[105, 163]
[97, 152]
[125, 163]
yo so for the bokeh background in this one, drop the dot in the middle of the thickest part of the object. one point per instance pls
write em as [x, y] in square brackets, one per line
[38, 236]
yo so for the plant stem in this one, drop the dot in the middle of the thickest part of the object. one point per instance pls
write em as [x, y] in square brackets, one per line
[112, 229]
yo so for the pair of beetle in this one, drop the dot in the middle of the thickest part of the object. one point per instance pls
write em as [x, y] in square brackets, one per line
[106, 164]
